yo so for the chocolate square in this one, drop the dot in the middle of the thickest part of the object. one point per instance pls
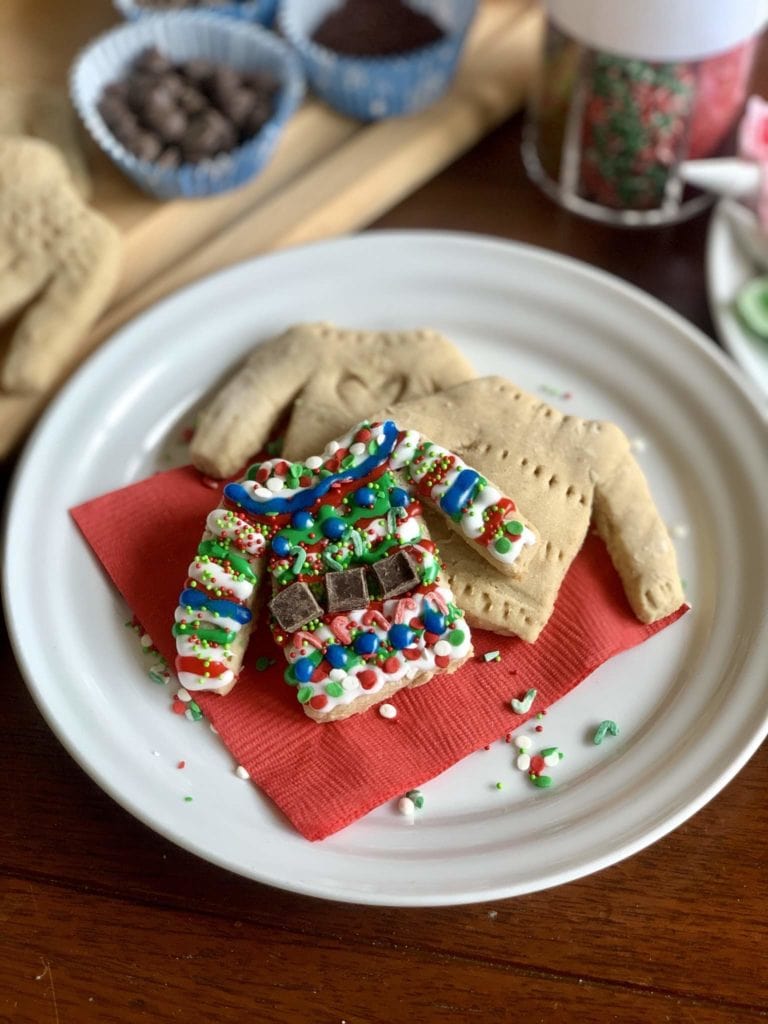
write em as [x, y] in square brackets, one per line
[347, 589]
[396, 574]
[294, 606]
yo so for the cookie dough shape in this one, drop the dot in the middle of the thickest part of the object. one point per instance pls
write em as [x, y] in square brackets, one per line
[333, 377]
[58, 257]
[567, 473]
[359, 601]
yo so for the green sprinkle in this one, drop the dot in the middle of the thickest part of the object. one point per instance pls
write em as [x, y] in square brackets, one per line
[299, 560]
[188, 799]
[372, 447]
[456, 637]
[605, 727]
[262, 663]
[347, 461]
[304, 694]
[542, 781]
[334, 689]
[158, 677]
[522, 707]
[502, 545]
[499, 785]
[416, 797]
[551, 750]
[514, 527]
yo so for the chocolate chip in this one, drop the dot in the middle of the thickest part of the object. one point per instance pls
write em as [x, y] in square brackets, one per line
[346, 589]
[147, 146]
[209, 133]
[165, 118]
[395, 575]
[294, 606]
[153, 62]
[260, 113]
[170, 158]
[191, 100]
[238, 105]
[221, 83]
[198, 70]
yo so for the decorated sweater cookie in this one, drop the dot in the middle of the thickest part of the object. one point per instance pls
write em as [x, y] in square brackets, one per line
[358, 600]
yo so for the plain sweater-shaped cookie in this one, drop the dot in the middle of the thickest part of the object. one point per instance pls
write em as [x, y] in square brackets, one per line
[359, 603]
[567, 473]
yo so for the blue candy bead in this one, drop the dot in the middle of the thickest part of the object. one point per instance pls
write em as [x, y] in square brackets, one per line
[302, 520]
[336, 655]
[398, 497]
[303, 669]
[334, 528]
[434, 622]
[281, 545]
[367, 643]
[400, 636]
[365, 497]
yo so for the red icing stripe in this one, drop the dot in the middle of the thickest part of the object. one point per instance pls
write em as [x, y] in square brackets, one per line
[200, 668]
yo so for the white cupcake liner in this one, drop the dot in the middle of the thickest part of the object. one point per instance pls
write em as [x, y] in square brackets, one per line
[262, 11]
[371, 88]
[186, 35]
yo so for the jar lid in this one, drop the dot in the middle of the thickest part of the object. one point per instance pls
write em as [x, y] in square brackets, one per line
[660, 30]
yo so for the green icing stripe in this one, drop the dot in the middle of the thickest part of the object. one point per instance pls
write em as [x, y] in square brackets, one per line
[212, 636]
[214, 549]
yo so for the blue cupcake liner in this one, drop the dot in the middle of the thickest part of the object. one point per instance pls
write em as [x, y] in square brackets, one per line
[262, 11]
[186, 35]
[370, 88]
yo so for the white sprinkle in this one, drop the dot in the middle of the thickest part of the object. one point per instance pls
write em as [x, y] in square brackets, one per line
[679, 531]
[358, 448]
[638, 444]
[313, 462]
[275, 484]
[242, 773]
[332, 447]
[338, 675]
[146, 640]
[155, 753]
[262, 492]
[213, 728]
[388, 711]
[523, 762]
[189, 714]
[181, 694]
[552, 759]
[406, 806]
[523, 742]
[442, 648]
[350, 683]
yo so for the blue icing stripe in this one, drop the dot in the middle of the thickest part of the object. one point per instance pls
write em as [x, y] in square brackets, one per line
[306, 498]
[226, 609]
[460, 492]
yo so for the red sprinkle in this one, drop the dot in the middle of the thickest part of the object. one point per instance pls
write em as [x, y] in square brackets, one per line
[442, 660]
[178, 707]
[367, 678]
[411, 653]
[182, 764]
[319, 701]
[363, 435]
[537, 764]
[430, 639]
[391, 665]
[539, 728]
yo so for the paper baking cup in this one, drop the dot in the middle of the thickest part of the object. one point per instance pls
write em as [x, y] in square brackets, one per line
[185, 35]
[262, 11]
[370, 88]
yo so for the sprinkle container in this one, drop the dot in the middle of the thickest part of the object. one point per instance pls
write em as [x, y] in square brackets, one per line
[371, 88]
[185, 35]
[626, 91]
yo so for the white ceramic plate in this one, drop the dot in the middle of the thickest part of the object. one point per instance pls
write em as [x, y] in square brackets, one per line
[729, 266]
[691, 703]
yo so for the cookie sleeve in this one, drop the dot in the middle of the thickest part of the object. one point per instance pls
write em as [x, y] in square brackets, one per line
[627, 519]
[489, 521]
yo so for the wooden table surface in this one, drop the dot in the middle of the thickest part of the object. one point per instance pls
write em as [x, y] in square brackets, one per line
[102, 920]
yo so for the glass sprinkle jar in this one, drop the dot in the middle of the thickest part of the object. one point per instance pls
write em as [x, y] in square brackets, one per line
[626, 91]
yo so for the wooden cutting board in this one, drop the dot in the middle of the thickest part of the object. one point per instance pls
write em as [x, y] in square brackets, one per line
[329, 175]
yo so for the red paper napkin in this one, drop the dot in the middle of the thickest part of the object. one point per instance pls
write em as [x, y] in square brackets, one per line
[325, 776]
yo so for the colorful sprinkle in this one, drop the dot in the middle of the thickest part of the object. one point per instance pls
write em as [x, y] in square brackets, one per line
[416, 797]
[388, 711]
[242, 773]
[605, 727]
[523, 706]
[492, 656]
[406, 806]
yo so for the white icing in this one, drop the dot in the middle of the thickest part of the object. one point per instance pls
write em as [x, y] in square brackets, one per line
[215, 577]
[229, 526]
[205, 618]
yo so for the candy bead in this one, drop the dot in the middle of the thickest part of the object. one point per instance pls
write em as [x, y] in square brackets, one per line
[366, 643]
[275, 484]
[398, 497]
[334, 528]
[303, 669]
[388, 711]
[302, 520]
[433, 621]
[365, 497]
[523, 742]
[336, 656]
[281, 545]
[523, 762]
[400, 636]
